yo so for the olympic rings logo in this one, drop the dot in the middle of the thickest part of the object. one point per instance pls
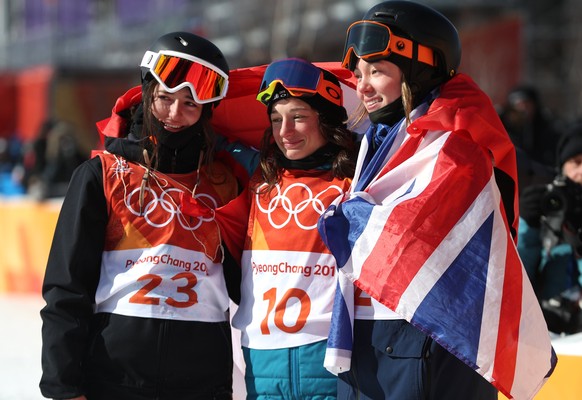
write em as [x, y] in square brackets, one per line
[306, 207]
[169, 208]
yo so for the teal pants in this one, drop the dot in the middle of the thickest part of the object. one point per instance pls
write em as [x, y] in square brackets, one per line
[290, 373]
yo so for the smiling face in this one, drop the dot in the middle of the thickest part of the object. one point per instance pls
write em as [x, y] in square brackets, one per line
[295, 126]
[378, 83]
[176, 111]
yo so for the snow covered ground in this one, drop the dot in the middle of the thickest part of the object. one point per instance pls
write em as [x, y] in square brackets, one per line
[20, 344]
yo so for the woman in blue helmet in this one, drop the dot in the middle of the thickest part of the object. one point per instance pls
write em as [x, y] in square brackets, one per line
[288, 275]
[136, 283]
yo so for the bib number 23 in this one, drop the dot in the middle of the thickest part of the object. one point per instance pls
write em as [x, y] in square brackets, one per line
[186, 289]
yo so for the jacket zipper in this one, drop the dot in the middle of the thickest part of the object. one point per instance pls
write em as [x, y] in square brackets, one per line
[295, 379]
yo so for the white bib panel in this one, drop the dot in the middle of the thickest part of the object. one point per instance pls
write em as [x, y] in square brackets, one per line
[287, 298]
[164, 281]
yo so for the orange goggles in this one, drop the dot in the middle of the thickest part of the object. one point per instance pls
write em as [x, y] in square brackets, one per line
[372, 41]
[175, 71]
[300, 78]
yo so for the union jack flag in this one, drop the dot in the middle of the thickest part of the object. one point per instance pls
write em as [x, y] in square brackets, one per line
[427, 232]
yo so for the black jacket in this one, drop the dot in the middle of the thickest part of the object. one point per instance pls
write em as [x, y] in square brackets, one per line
[111, 356]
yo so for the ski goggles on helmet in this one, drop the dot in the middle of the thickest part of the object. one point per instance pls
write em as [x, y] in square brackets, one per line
[372, 41]
[300, 78]
[175, 71]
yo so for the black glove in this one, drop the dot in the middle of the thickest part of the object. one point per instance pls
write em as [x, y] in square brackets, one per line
[530, 204]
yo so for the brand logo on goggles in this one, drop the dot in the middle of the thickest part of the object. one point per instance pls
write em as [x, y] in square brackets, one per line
[371, 40]
[175, 71]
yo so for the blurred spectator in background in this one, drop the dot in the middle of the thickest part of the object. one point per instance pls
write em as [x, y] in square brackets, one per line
[51, 160]
[11, 175]
[550, 236]
[533, 132]
[34, 154]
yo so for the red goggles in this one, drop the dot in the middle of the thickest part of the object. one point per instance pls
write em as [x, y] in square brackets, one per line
[175, 71]
[372, 41]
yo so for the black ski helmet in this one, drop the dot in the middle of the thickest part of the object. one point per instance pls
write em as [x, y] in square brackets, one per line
[427, 28]
[188, 44]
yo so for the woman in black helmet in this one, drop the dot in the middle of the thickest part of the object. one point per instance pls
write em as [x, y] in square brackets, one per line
[136, 281]
[426, 189]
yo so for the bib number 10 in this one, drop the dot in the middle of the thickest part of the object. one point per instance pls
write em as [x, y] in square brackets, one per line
[280, 305]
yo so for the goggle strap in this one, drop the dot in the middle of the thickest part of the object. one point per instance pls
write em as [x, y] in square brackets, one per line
[404, 47]
[148, 59]
[331, 92]
[426, 55]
